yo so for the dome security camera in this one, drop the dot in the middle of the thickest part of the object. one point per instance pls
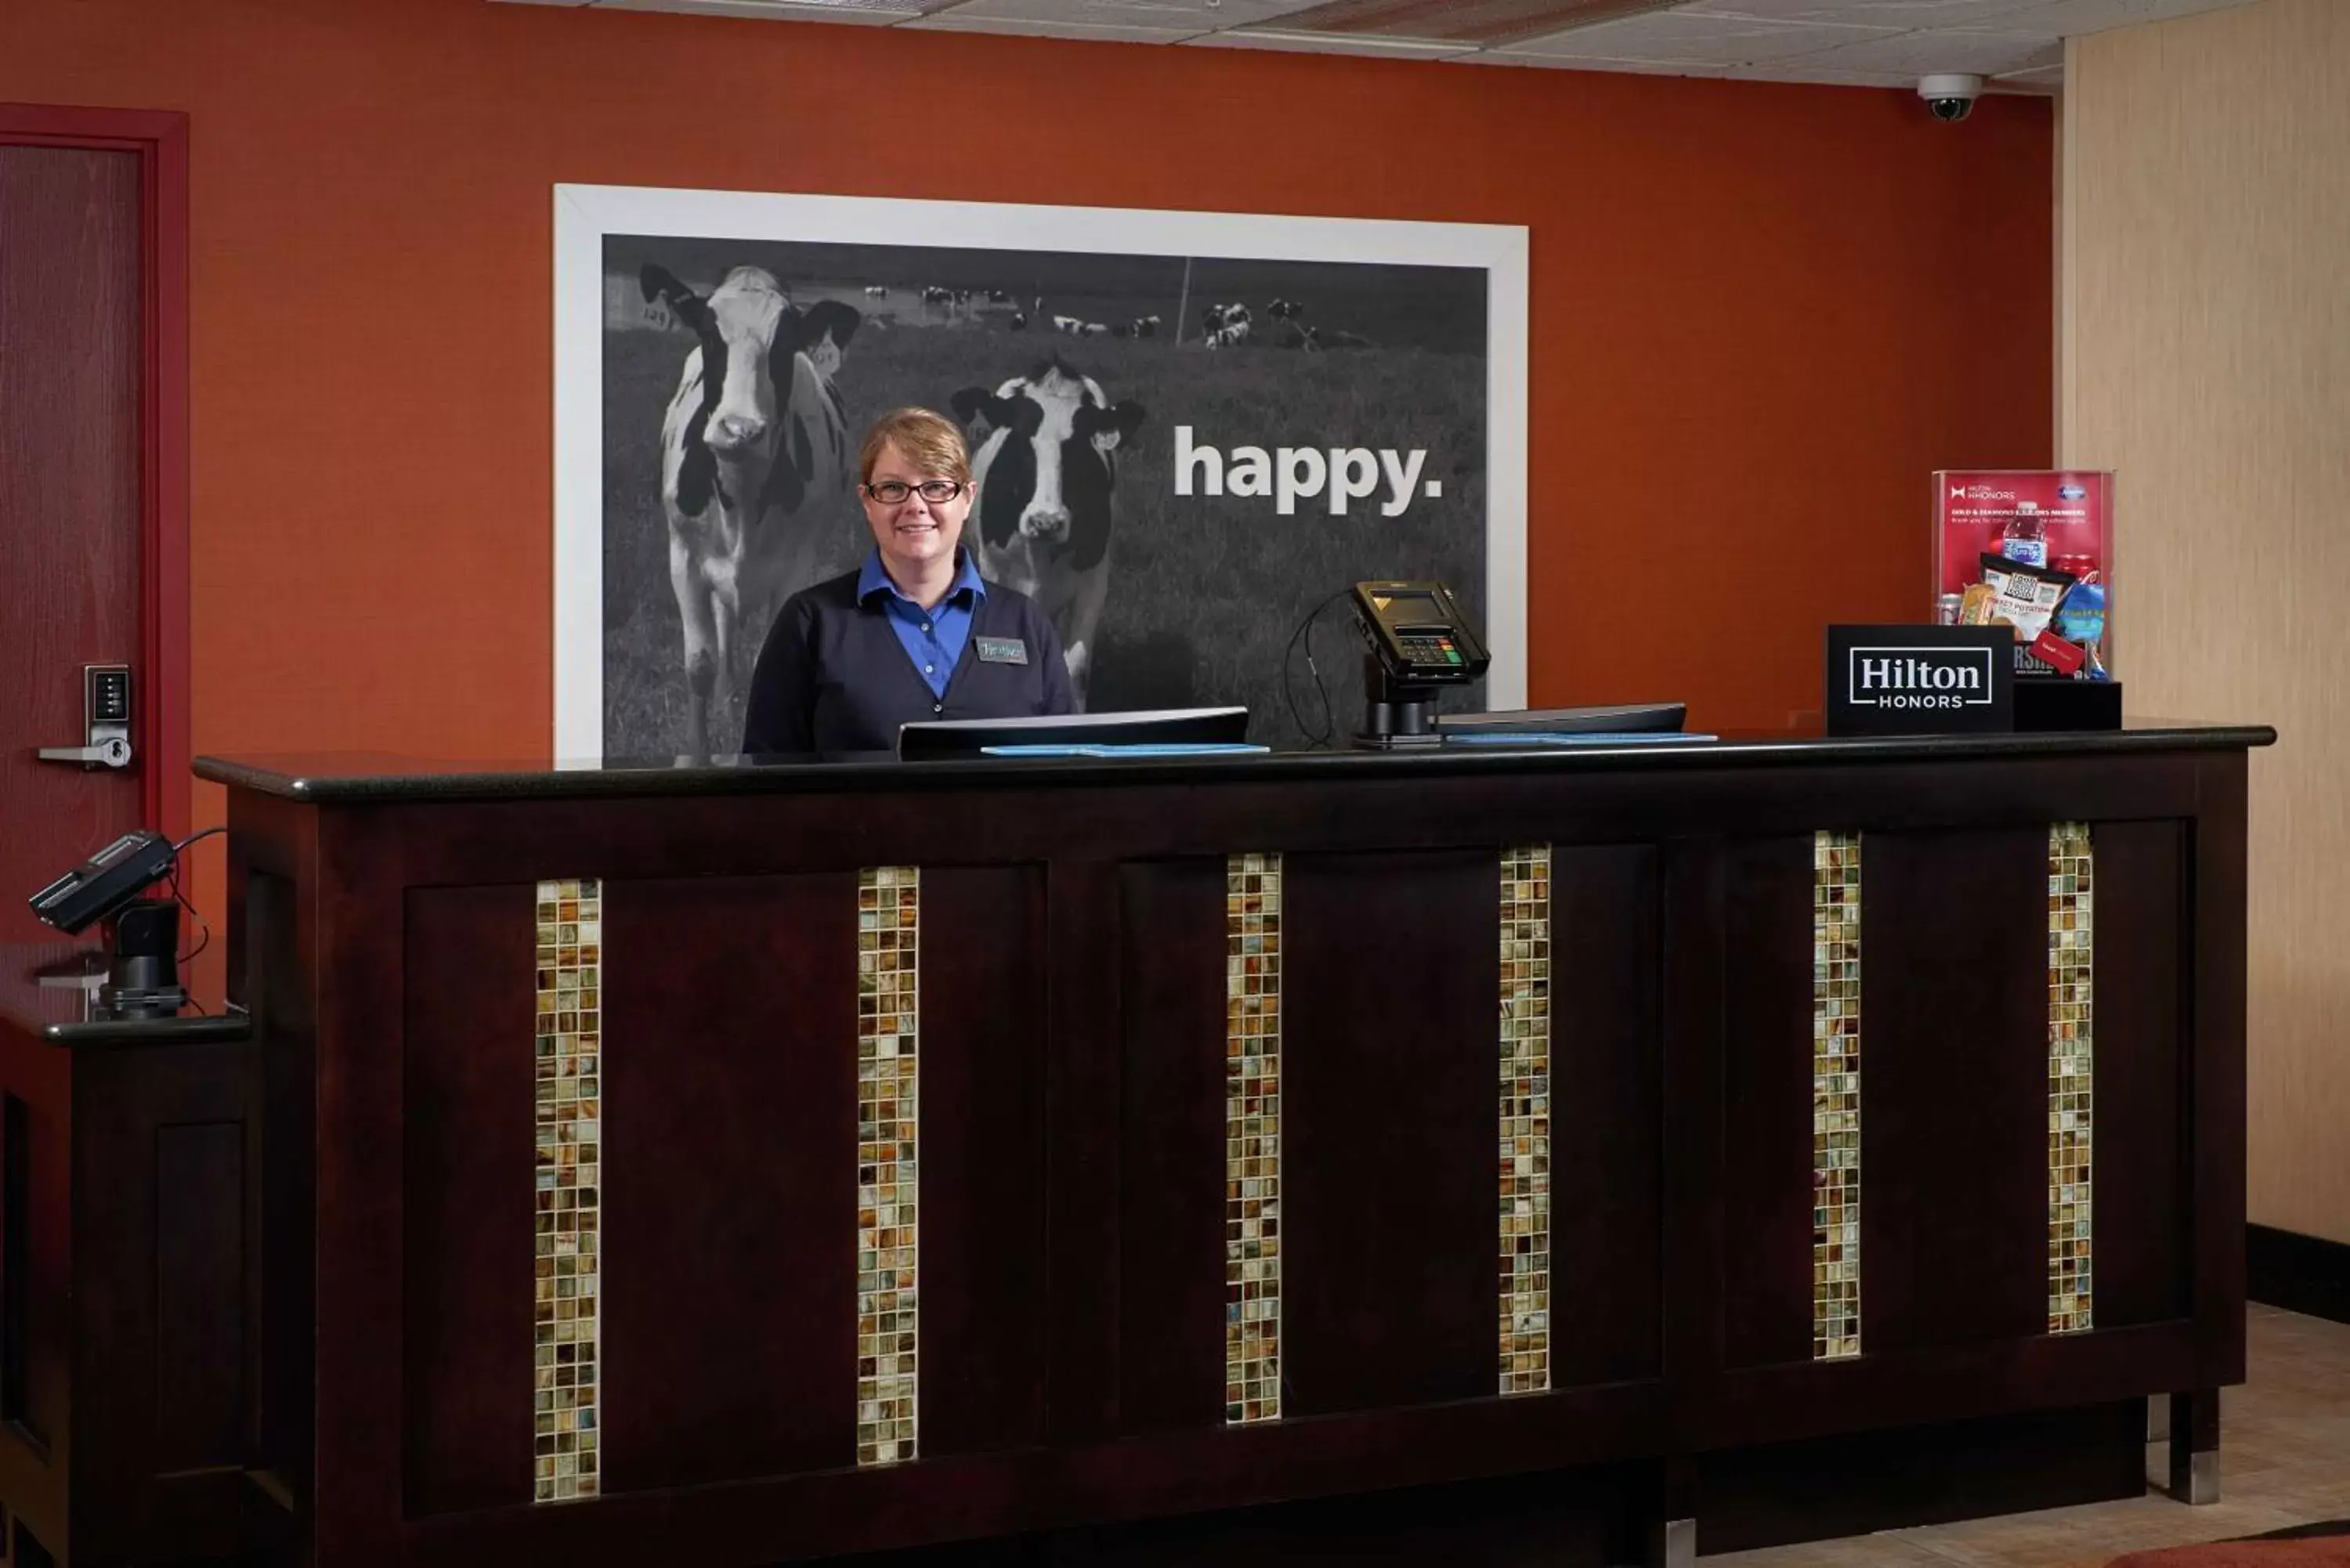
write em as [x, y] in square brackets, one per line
[1951, 97]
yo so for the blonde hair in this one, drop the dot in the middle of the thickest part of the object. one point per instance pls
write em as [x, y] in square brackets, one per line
[931, 442]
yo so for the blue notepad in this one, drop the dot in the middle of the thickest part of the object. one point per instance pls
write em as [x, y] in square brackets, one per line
[1137, 749]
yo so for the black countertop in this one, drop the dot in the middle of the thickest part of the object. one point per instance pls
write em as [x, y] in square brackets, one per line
[51, 992]
[371, 778]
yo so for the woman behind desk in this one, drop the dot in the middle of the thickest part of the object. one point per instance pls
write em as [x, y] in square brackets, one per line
[913, 634]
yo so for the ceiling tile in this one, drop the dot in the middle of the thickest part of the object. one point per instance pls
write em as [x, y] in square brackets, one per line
[877, 13]
[2074, 17]
[957, 21]
[1914, 54]
[1330, 44]
[1590, 63]
[1462, 21]
[1902, 13]
[1707, 40]
[1803, 70]
[1187, 16]
[2038, 77]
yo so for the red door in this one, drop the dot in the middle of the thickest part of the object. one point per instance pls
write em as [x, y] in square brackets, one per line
[92, 481]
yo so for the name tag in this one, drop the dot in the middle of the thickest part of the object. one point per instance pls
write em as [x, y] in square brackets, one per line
[1003, 650]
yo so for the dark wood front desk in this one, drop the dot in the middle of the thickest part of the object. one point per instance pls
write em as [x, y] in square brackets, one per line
[734, 1166]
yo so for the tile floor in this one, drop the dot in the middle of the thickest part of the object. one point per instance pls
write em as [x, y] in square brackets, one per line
[2284, 1459]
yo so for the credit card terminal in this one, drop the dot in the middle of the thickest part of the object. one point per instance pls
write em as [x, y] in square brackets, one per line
[1419, 635]
[105, 882]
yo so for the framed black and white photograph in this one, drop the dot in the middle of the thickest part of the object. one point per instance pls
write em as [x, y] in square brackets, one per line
[1190, 433]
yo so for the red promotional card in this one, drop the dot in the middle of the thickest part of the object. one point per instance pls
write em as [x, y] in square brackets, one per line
[2057, 519]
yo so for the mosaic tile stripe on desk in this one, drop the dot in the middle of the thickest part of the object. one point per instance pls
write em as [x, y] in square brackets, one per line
[1836, 1097]
[2072, 1060]
[1251, 1138]
[1525, 1120]
[563, 1317]
[888, 987]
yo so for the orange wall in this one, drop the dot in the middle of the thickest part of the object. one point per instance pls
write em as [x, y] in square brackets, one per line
[1762, 314]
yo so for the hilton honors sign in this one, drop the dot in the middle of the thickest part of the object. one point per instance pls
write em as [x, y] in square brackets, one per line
[1920, 680]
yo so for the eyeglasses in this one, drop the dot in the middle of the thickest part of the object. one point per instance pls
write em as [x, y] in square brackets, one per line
[892, 491]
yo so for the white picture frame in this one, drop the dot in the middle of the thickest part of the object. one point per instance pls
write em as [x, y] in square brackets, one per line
[585, 216]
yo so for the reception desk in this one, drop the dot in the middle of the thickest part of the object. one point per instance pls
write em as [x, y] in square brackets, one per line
[1634, 1147]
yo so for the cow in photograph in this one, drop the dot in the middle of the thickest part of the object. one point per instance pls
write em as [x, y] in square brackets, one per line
[1225, 326]
[1285, 310]
[1045, 470]
[754, 449]
[876, 291]
[1071, 325]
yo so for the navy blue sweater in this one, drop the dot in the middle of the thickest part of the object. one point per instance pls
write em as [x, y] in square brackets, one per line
[832, 676]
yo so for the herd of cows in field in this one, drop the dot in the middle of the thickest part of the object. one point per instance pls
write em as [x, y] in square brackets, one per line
[1222, 325]
[757, 462]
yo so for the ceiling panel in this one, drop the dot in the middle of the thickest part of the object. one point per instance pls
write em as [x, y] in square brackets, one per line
[1462, 21]
[1914, 54]
[1902, 14]
[2074, 16]
[1328, 44]
[1188, 16]
[872, 13]
[1803, 70]
[1705, 40]
[1590, 63]
[961, 21]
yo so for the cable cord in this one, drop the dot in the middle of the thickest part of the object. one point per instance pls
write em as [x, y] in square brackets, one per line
[206, 832]
[203, 927]
[1315, 739]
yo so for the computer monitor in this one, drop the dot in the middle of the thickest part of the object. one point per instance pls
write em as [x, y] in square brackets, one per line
[933, 738]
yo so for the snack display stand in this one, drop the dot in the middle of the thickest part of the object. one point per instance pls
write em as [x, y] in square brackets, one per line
[2030, 549]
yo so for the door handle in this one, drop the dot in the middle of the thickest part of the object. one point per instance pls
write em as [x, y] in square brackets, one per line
[114, 752]
[106, 720]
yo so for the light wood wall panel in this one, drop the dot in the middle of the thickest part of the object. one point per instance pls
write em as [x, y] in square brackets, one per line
[2206, 357]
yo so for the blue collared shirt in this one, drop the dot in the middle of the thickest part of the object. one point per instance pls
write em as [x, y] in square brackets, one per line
[933, 639]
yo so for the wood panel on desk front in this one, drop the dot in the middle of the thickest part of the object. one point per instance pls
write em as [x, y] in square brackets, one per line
[981, 1156]
[468, 1182]
[1954, 1087]
[729, 1172]
[1172, 1144]
[2142, 988]
[1606, 1115]
[1767, 1190]
[1389, 1117]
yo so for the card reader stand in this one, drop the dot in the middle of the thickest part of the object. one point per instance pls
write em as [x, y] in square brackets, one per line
[1399, 715]
[142, 968]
